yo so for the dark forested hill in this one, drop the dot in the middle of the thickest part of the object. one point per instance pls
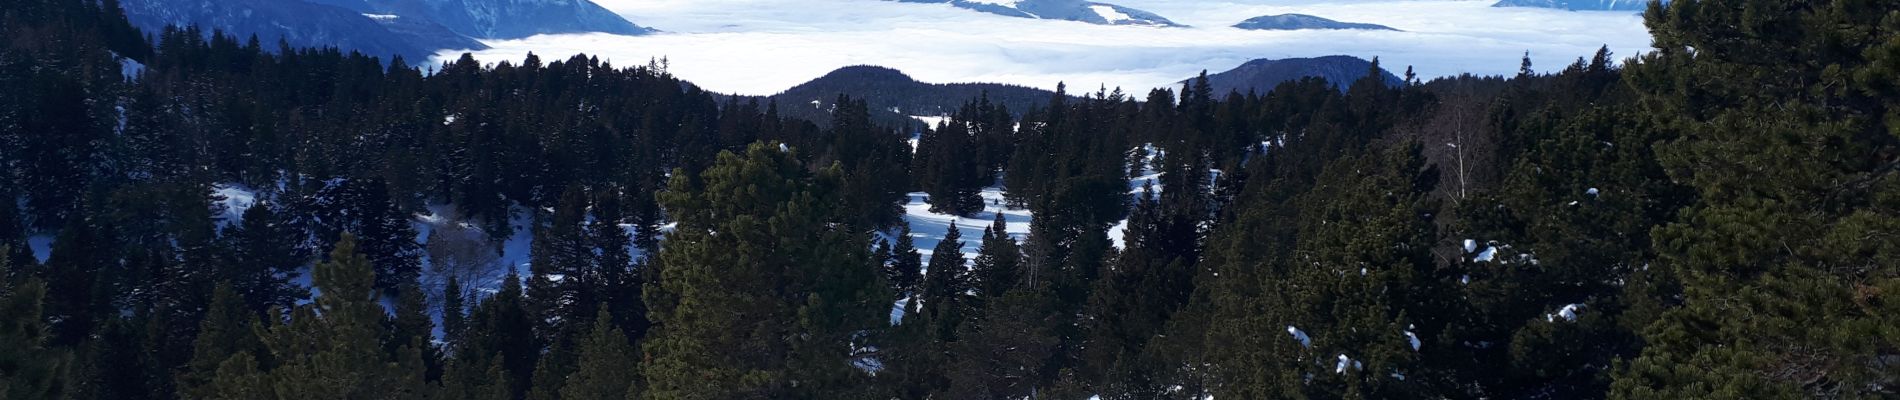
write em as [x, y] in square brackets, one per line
[1261, 75]
[1291, 22]
[894, 97]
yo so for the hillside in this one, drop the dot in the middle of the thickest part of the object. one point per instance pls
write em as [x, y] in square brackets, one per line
[1290, 22]
[895, 97]
[1262, 75]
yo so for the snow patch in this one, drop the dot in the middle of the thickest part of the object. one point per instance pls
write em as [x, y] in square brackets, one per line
[1110, 14]
[929, 228]
[1413, 338]
[1299, 335]
[382, 17]
[1490, 253]
[130, 69]
[235, 199]
[1568, 313]
[41, 245]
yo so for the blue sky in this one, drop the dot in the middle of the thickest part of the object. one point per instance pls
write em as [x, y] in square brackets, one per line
[764, 46]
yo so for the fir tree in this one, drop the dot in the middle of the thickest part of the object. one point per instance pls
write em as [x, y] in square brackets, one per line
[264, 257]
[906, 266]
[998, 261]
[945, 287]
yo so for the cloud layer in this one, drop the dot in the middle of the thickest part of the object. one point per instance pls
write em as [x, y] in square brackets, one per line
[765, 46]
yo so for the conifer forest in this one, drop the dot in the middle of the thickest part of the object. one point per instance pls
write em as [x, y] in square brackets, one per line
[197, 215]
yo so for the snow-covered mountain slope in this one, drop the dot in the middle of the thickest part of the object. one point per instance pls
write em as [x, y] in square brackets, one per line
[1580, 5]
[415, 29]
[1262, 75]
[300, 23]
[1069, 10]
[510, 19]
[1292, 22]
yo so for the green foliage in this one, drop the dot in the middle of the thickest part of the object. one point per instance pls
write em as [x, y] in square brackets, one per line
[764, 284]
[29, 368]
[332, 349]
[607, 368]
[1785, 116]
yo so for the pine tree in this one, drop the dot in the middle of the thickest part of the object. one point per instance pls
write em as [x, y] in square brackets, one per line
[1785, 116]
[332, 349]
[225, 335]
[29, 367]
[763, 285]
[1004, 354]
[608, 365]
[499, 342]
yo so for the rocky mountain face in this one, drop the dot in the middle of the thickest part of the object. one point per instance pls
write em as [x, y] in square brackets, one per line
[1068, 10]
[1262, 75]
[1291, 22]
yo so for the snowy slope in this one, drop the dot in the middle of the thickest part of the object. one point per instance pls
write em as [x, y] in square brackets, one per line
[1067, 10]
[301, 23]
[511, 19]
[1580, 5]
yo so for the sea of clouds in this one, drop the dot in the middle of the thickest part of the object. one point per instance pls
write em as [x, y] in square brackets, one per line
[761, 47]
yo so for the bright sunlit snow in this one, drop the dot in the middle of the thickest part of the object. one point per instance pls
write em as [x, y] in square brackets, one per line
[765, 46]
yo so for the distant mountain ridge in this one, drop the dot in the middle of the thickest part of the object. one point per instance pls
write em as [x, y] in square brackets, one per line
[1262, 75]
[1068, 10]
[1289, 22]
[414, 29]
[1580, 5]
[895, 97]
[511, 19]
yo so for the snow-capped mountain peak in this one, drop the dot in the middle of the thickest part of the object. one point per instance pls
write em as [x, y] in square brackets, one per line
[1068, 10]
